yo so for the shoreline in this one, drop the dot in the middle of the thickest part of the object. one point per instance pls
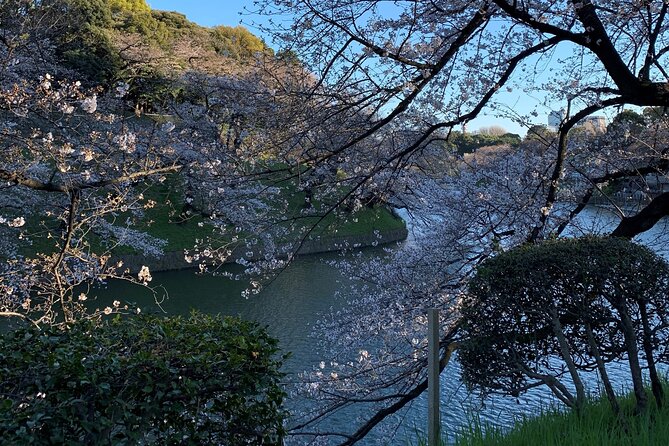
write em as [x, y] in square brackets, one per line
[173, 261]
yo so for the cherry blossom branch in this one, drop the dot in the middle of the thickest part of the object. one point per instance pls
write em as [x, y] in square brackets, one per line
[651, 58]
[21, 180]
[558, 170]
[382, 414]
[19, 315]
[472, 26]
[522, 16]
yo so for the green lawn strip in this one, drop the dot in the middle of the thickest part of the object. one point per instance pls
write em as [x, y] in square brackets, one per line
[182, 233]
[363, 222]
[162, 221]
[337, 223]
[165, 221]
[597, 425]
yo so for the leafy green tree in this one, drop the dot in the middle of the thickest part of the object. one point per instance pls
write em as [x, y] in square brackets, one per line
[236, 42]
[538, 313]
[135, 16]
[627, 122]
[540, 133]
[142, 380]
[175, 21]
[654, 113]
[80, 30]
[132, 6]
[469, 142]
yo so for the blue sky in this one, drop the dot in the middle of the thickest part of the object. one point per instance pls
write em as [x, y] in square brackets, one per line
[209, 12]
[232, 13]
[205, 12]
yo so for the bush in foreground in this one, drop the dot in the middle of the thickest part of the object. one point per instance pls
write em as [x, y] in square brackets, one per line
[150, 380]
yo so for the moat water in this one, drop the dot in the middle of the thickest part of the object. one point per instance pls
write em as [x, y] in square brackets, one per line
[290, 305]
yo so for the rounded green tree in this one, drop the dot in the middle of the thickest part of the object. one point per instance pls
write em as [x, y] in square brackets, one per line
[542, 314]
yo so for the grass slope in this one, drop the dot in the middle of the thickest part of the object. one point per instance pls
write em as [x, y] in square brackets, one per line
[166, 221]
[596, 426]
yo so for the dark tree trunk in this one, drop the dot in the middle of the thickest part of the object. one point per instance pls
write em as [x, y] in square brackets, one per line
[608, 388]
[644, 220]
[656, 384]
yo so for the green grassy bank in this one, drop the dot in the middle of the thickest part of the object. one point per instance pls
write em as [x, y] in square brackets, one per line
[167, 221]
[595, 426]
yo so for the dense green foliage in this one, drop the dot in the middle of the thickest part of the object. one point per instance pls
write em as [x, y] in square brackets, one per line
[132, 6]
[110, 40]
[237, 42]
[597, 425]
[83, 42]
[469, 142]
[567, 304]
[628, 119]
[141, 380]
[541, 134]
[174, 21]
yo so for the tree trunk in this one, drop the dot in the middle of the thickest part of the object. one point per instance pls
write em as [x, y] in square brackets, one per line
[566, 355]
[645, 219]
[601, 367]
[656, 384]
[633, 358]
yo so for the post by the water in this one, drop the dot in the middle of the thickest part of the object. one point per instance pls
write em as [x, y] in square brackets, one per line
[433, 418]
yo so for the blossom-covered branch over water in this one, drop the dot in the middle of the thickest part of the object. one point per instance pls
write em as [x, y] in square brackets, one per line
[360, 109]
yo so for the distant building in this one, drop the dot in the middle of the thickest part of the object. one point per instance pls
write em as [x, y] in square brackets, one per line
[555, 119]
[593, 124]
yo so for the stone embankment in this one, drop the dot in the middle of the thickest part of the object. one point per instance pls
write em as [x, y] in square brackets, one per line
[171, 261]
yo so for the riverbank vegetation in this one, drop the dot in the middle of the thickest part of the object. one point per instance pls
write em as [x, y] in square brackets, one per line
[596, 424]
[103, 103]
[178, 224]
[142, 379]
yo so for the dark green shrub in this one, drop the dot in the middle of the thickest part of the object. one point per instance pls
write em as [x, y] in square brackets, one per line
[542, 314]
[469, 142]
[142, 380]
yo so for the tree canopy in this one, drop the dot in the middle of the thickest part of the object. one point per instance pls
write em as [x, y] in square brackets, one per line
[355, 110]
[105, 41]
[237, 42]
[543, 314]
[393, 82]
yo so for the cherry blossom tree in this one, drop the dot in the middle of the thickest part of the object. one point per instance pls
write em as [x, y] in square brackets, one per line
[362, 116]
[391, 82]
[80, 168]
[73, 182]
